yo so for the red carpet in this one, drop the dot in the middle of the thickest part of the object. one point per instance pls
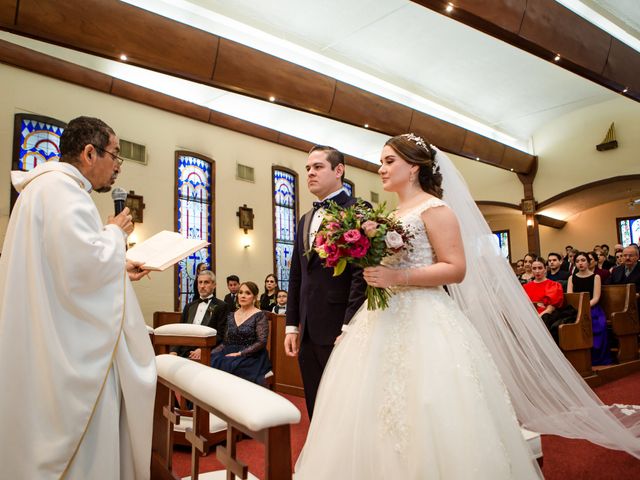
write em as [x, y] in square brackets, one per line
[564, 459]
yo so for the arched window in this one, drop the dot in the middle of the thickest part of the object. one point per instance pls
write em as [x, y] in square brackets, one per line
[349, 187]
[36, 140]
[628, 230]
[502, 239]
[285, 215]
[194, 218]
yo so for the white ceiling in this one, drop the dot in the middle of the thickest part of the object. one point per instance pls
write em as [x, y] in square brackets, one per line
[419, 51]
[624, 13]
[394, 48]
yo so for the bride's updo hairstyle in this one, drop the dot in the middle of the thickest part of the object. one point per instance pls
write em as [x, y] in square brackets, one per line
[415, 151]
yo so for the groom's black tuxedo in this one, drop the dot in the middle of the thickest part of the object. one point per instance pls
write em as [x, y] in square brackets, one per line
[214, 317]
[319, 303]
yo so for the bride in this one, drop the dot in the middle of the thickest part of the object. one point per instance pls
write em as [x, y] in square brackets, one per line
[424, 389]
[411, 391]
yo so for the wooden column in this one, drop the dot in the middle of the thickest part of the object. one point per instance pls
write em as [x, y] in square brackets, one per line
[529, 207]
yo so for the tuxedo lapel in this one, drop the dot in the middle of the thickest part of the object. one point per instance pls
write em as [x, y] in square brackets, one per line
[306, 223]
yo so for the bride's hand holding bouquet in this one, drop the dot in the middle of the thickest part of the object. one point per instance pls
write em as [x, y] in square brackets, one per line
[362, 236]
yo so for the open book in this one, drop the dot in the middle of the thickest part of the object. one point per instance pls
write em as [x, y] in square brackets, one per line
[163, 250]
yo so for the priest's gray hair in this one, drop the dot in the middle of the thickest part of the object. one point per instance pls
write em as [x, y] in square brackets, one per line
[208, 273]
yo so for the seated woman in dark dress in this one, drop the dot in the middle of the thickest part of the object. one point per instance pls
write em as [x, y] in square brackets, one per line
[585, 280]
[244, 350]
[268, 298]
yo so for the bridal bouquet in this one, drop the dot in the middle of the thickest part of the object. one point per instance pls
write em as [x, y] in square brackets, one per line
[362, 236]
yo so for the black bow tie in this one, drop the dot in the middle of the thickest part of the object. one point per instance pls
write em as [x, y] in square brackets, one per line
[322, 204]
[205, 300]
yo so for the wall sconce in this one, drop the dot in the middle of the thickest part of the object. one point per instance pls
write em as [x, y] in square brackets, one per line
[245, 241]
[529, 222]
[132, 239]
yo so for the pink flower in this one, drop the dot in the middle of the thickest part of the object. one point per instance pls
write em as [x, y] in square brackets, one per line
[370, 228]
[330, 249]
[333, 225]
[352, 236]
[333, 259]
[360, 248]
[320, 240]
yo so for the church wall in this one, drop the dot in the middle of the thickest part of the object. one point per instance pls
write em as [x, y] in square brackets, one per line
[163, 133]
[594, 226]
[566, 147]
[487, 182]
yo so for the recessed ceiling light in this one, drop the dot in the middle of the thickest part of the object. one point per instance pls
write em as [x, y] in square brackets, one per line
[556, 58]
[123, 57]
[625, 90]
[366, 125]
[478, 158]
[272, 99]
[511, 169]
[449, 8]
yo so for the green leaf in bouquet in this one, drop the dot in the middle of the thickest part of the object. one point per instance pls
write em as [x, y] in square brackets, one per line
[339, 268]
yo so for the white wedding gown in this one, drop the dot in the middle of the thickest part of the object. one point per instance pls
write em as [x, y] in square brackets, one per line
[411, 392]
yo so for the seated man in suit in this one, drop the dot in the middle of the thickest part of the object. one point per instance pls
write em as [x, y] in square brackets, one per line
[629, 271]
[231, 299]
[555, 272]
[206, 310]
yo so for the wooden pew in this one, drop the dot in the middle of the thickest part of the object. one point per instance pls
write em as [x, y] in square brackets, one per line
[164, 318]
[576, 339]
[286, 369]
[620, 307]
[246, 407]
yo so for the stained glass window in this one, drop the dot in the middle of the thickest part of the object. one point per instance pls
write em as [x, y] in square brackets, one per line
[349, 187]
[629, 230]
[502, 240]
[193, 218]
[284, 221]
[37, 140]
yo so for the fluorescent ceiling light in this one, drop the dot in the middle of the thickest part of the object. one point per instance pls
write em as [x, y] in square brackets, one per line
[352, 140]
[579, 8]
[204, 19]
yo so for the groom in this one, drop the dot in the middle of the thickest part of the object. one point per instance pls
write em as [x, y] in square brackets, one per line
[319, 305]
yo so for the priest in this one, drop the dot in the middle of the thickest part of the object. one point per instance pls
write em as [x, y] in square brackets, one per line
[78, 371]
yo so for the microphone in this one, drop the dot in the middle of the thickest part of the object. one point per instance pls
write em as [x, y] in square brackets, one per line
[119, 196]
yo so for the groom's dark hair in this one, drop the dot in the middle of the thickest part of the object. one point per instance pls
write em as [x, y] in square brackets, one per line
[334, 157]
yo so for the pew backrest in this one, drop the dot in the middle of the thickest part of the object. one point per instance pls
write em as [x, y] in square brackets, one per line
[578, 335]
[164, 318]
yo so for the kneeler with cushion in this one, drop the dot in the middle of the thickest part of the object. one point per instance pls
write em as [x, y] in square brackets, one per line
[199, 336]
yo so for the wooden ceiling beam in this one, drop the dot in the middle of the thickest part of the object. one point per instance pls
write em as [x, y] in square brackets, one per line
[40, 63]
[546, 28]
[109, 28]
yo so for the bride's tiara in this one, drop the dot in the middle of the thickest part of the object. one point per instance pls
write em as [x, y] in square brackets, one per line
[419, 141]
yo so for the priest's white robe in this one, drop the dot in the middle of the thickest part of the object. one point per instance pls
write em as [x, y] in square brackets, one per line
[77, 370]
